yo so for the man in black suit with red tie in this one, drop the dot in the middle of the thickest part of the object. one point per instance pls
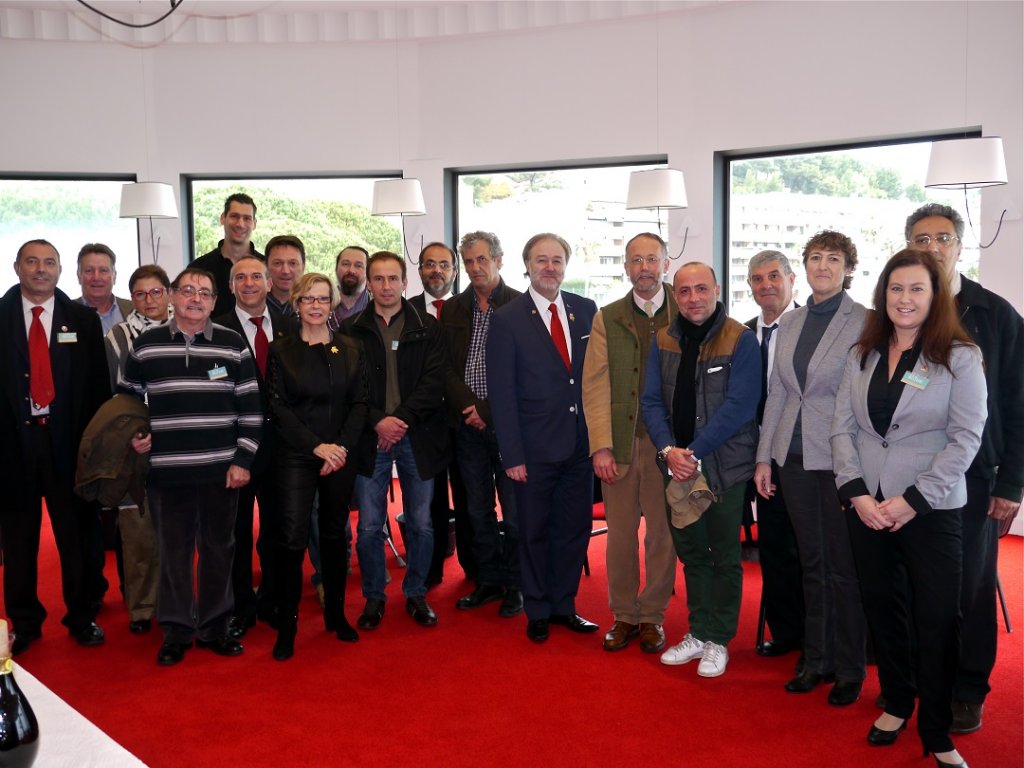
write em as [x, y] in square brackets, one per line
[259, 325]
[437, 269]
[771, 280]
[535, 351]
[54, 379]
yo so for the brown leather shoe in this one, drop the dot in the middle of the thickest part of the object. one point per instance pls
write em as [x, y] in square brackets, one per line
[618, 636]
[652, 638]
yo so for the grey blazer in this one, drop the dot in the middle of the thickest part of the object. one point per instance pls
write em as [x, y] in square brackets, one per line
[934, 435]
[817, 401]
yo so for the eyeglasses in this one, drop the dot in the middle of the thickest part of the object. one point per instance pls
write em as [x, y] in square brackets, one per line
[153, 293]
[943, 239]
[639, 261]
[190, 292]
[315, 300]
[442, 265]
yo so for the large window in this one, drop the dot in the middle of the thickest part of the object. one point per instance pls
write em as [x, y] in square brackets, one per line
[327, 214]
[780, 201]
[585, 205]
[69, 212]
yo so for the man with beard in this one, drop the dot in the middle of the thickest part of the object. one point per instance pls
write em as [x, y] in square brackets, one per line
[350, 267]
[437, 273]
[238, 220]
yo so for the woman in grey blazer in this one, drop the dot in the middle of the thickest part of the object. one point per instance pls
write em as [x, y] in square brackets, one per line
[810, 353]
[908, 423]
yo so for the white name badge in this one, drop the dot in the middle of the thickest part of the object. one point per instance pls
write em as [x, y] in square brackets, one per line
[220, 372]
[916, 380]
[394, 345]
[67, 338]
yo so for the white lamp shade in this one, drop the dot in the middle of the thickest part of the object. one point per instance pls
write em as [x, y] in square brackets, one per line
[658, 188]
[393, 196]
[148, 199]
[959, 163]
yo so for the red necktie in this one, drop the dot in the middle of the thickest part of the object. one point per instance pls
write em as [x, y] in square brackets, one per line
[261, 346]
[40, 376]
[438, 303]
[558, 336]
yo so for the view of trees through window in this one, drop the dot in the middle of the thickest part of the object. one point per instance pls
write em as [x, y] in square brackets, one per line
[327, 214]
[586, 206]
[69, 213]
[780, 202]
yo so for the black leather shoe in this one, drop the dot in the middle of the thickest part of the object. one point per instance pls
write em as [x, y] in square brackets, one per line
[140, 627]
[966, 717]
[284, 646]
[421, 613]
[23, 639]
[807, 682]
[372, 615]
[239, 625]
[844, 693]
[222, 646]
[574, 623]
[879, 738]
[344, 631]
[537, 630]
[171, 653]
[483, 594]
[776, 648]
[511, 603]
[88, 635]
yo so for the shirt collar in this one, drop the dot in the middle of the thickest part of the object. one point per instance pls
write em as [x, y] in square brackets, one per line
[26, 305]
[657, 300]
[206, 331]
[543, 303]
[761, 324]
[244, 316]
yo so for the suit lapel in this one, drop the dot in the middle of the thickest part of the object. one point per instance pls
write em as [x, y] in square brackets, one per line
[859, 390]
[578, 344]
[537, 322]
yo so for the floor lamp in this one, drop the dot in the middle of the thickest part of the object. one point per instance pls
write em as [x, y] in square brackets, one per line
[149, 200]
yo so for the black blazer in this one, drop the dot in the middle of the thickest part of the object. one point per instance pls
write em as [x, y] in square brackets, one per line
[457, 324]
[317, 393]
[80, 377]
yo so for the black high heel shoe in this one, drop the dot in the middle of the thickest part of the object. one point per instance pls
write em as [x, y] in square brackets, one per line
[941, 764]
[879, 738]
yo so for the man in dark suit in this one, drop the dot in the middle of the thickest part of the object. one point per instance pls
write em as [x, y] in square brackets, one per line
[535, 352]
[54, 379]
[437, 271]
[771, 280]
[466, 323]
[252, 318]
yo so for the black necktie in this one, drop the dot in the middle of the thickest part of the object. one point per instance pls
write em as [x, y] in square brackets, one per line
[766, 336]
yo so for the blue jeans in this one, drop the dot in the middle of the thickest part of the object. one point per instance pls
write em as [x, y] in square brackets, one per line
[497, 557]
[373, 509]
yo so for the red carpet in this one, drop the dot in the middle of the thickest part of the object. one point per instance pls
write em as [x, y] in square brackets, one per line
[474, 691]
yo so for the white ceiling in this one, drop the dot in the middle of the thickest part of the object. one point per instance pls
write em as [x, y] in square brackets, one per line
[307, 21]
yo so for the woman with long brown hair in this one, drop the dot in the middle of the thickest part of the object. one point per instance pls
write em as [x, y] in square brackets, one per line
[908, 422]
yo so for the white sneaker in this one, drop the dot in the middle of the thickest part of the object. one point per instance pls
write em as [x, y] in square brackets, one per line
[689, 649]
[712, 663]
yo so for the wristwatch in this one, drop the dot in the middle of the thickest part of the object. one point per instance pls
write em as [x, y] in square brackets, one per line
[663, 453]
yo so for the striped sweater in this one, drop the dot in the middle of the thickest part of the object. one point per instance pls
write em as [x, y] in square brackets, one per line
[204, 402]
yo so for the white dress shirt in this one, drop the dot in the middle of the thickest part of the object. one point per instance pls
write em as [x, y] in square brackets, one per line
[250, 328]
[761, 325]
[543, 307]
[46, 319]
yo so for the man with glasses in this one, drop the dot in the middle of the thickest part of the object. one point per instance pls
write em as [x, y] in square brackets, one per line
[150, 291]
[96, 275]
[254, 320]
[995, 480]
[238, 220]
[205, 419]
[624, 456]
[437, 270]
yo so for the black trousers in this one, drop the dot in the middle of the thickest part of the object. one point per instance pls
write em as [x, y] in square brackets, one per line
[910, 582]
[781, 575]
[977, 596]
[260, 489]
[440, 513]
[21, 517]
[298, 481]
[190, 518]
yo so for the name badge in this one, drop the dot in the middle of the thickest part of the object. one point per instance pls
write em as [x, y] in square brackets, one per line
[67, 338]
[220, 372]
[716, 369]
[916, 380]
[394, 345]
